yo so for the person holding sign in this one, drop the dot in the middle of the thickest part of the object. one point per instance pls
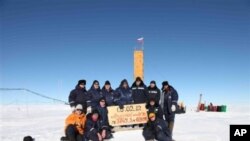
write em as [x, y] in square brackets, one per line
[156, 129]
[103, 111]
[153, 106]
[169, 102]
[139, 91]
[123, 94]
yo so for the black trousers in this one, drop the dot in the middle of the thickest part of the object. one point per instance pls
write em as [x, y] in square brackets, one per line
[161, 136]
[169, 118]
[148, 134]
[72, 134]
[94, 137]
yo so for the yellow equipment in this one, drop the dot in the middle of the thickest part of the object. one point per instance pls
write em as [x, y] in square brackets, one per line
[138, 63]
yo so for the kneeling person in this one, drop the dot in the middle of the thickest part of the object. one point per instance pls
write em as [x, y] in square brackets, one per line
[103, 111]
[156, 128]
[75, 124]
[95, 129]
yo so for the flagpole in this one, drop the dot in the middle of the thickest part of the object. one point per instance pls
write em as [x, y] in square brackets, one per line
[143, 44]
[140, 43]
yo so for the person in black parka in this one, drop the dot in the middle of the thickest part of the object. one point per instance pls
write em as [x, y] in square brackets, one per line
[156, 128]
[153, 106]
[153, 91]
[94, 129]
[139, 91]
[79, 95]
[95, 94]
[169, 104]
[123, 94]
[103, 111]
[108, 93]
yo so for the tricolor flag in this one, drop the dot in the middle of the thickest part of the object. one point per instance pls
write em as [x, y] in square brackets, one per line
[140, 40]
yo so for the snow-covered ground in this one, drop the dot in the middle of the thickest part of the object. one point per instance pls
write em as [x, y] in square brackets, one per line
[46, 123]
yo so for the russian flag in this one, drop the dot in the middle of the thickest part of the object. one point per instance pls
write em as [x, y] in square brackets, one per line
[140, 40]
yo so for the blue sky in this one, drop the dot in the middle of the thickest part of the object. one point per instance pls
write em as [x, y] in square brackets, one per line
[197, 45]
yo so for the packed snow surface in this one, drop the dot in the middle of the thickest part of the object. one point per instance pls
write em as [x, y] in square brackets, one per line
[46, 123]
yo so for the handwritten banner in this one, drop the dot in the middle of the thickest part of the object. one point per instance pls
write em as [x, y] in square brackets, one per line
[130, 114]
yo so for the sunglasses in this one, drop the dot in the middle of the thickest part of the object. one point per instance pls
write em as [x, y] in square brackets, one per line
[78, 109]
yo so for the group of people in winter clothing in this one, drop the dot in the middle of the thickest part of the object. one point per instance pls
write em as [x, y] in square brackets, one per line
[161, 109]
[93, 126]
[84, 125]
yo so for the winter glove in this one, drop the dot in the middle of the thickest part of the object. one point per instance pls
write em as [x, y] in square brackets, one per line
[121, 106]
[173, 108]
[99, 136]
[89, 109]
[103, 134]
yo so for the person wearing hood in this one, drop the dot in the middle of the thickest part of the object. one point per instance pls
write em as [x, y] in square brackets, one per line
[103, 111]
[156, 128]
[153, 92]
[95, 130]
[139, 91]
[95, 94]
[108, 93]
[169, 104]
[123, 94]
[75, 124]
[153, 106]
[79, 96]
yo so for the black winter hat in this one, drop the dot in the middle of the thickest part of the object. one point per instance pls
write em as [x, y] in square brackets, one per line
[102, 98]
[82, 82]
[28, 138]
[138, 79]
[107, 83]
[153, 82]
[95, 81]
[95, 111]
[152, 99]
[124, 81]
[164, 83]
